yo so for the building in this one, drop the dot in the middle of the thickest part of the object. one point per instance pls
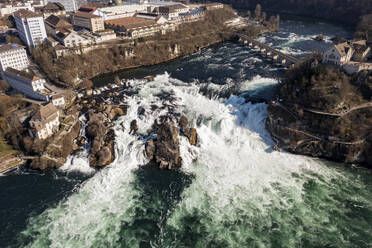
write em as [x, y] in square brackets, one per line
[54, 24]
[70, 5]
[58, 100]
[31, 27]
[56, 9]
[136, 27]
[11, 8]
[104, 35]
[26, 83]
[45, 122]
[355, 67]
[70, 38]
[116, 12]
[13, 56]
[338, 54]
[345, 52]
[171, 11]
[352, 56]
[89, 21]
[213, 6]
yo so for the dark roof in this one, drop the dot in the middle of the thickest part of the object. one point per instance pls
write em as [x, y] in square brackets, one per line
[57, 21]
[62, 35]
[8, 47]
[24, 13]
[360, 48]
[56, 6]
[85, 15]
[57, 96]
[50, 7]
[52, 19]
[171, 8]
[131, 22]
[342, 48]
[21, 74]
[46, 113]
[87, 9]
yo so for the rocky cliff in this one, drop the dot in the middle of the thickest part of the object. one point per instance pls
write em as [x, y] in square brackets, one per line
[323, 112]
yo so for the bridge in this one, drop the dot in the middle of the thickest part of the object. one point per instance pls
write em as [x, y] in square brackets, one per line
[270, 52]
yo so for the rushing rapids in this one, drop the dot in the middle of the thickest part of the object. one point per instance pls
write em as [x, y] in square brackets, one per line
[233, 189]
[236, 189]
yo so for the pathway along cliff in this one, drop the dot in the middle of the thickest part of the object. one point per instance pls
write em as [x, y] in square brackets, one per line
[323, 112]
[232, 189]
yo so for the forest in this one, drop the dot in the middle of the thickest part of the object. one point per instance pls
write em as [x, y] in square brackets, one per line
[342, 11]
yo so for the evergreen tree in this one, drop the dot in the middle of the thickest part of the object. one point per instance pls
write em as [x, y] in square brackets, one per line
[257, 11]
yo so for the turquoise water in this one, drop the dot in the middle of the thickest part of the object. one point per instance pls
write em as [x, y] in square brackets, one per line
[233, 190]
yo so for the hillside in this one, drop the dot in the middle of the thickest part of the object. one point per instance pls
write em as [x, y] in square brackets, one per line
[343, 11]
[323, 112]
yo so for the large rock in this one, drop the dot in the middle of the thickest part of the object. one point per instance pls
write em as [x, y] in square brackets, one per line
[133, 126]
[190, 133]
[95, 127]
[150, 149]
[184, 124]
[104, 157]
[113, 112]
[167, 152]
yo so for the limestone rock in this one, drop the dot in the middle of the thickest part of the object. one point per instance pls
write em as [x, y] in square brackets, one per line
[104, 157]
[133, 126]
[150, 149]
[192, 135]
[183, 123]
[81, 141]
[167, 146]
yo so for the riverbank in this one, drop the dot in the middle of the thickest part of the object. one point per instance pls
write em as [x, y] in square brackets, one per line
[187, 39]
[324, 113]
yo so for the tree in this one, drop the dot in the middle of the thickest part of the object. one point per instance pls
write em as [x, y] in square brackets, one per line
[13, 39]
[263, 16]
[4, 86]
[277, 21]
[257, 11]
[117, 80]
[249, 14]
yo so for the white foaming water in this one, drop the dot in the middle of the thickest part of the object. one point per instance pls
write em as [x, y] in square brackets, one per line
[80, 161]
[257, 82]
[236, 170]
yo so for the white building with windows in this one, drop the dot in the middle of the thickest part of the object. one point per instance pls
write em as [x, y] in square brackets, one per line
[70, 38]
[13, 56]
[26, 83]
[58, 100]
[11, 8]
[338, 54]
[31, 27]
[351, 56]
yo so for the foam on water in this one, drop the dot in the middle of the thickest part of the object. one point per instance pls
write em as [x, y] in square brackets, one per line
[243, 194]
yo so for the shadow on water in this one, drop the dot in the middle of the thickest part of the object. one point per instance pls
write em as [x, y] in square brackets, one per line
[27, 193]
[161, 190]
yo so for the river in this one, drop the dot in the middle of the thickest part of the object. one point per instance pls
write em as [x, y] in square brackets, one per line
[233, 190]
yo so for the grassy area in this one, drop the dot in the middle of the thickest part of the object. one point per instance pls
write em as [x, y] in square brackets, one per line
[5, 149]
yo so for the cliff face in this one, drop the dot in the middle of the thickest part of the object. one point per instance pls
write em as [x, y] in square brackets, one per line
[188, 38]
[322, 112]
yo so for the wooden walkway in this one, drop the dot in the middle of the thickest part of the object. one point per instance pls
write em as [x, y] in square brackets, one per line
[270, 51]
